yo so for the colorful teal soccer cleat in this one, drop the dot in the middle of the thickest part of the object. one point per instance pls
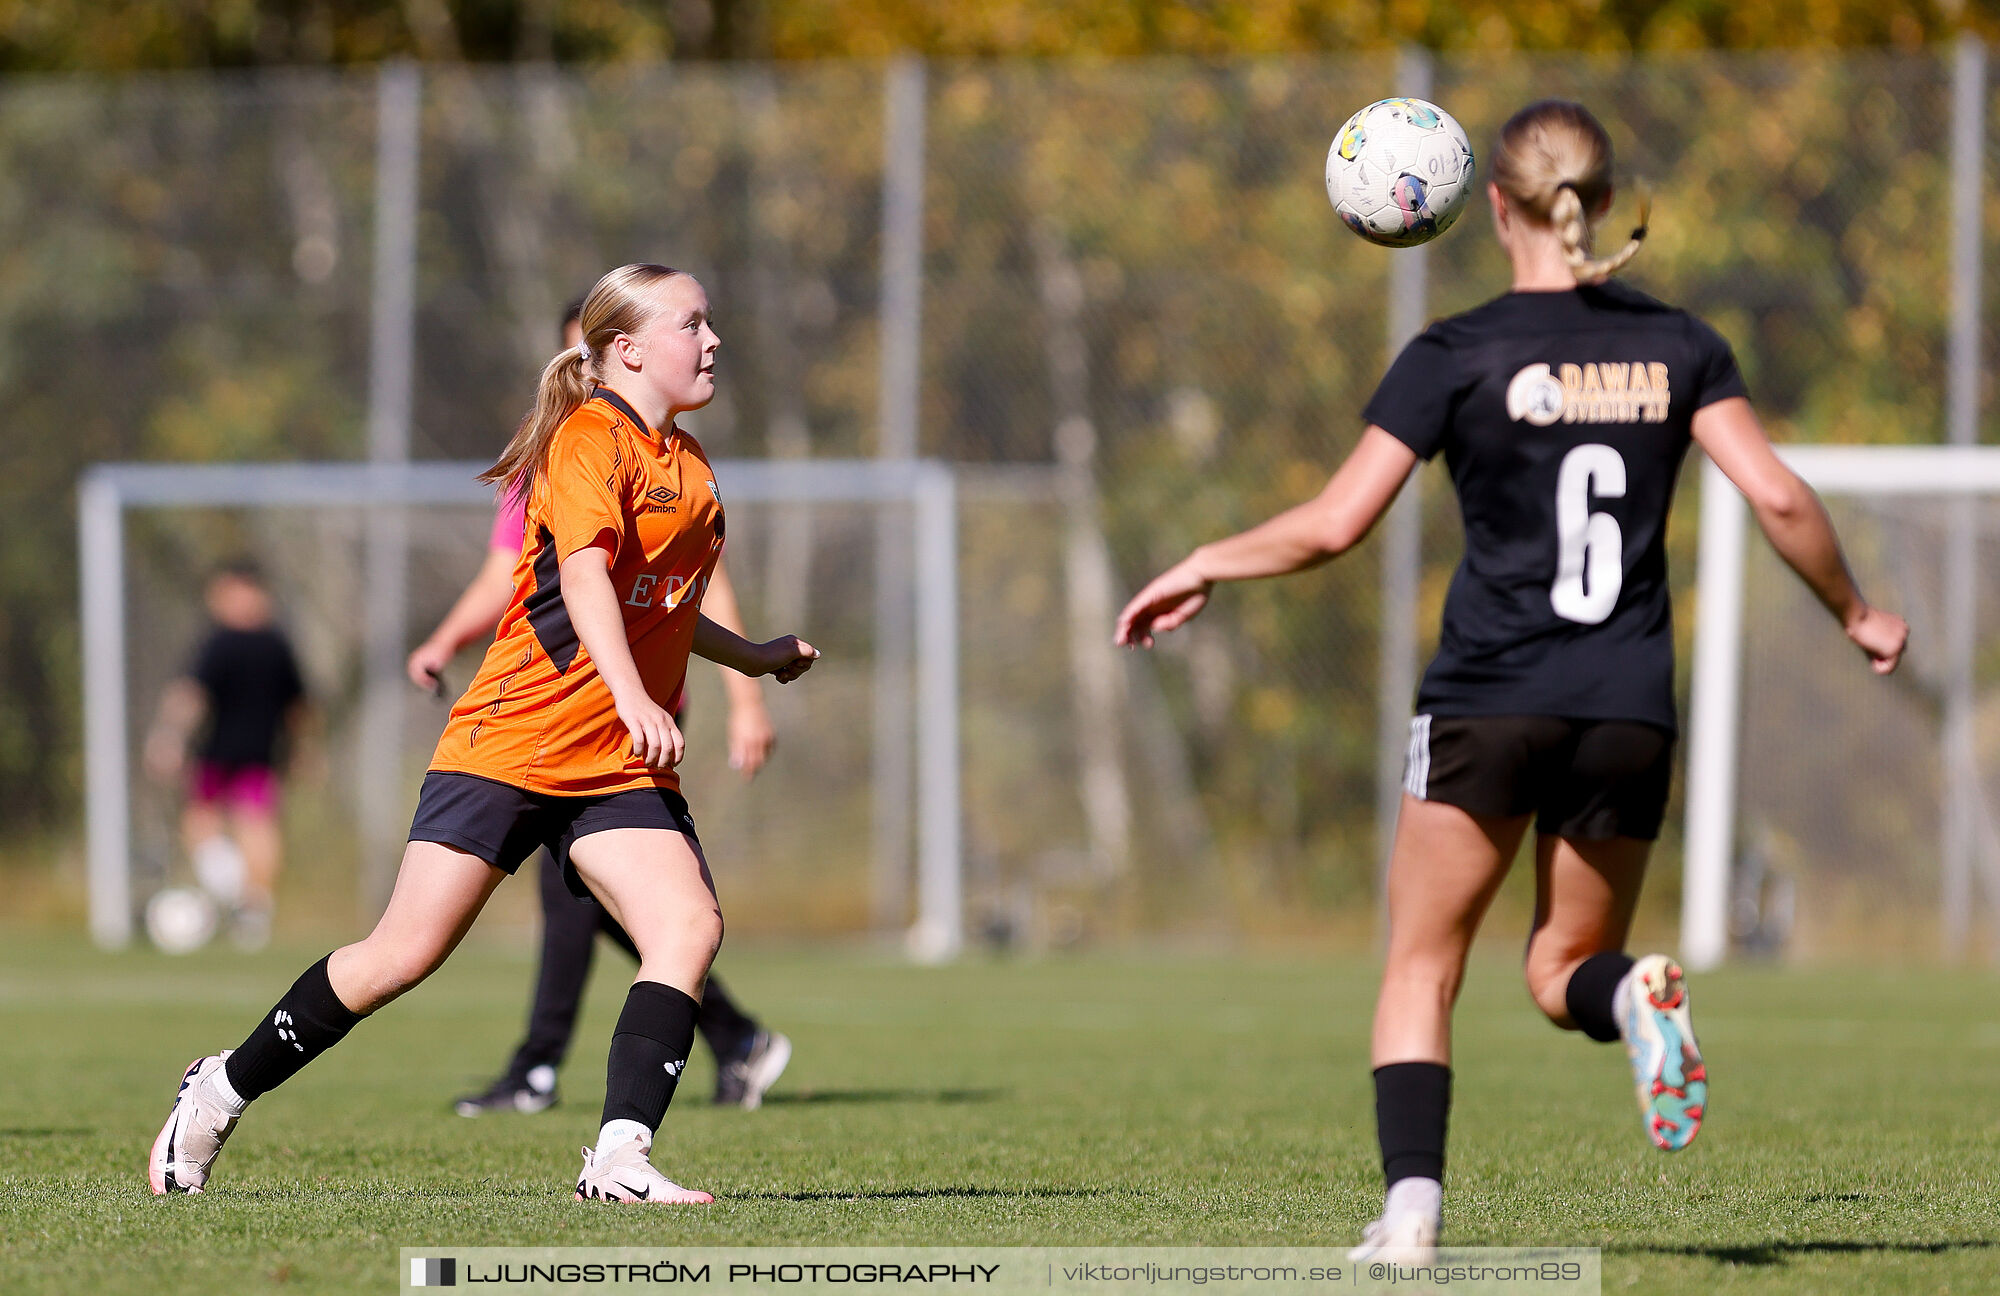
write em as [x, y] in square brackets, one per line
[1667, 1070]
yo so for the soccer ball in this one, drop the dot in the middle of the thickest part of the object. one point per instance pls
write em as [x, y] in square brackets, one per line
[1399, 172]
[180, 920]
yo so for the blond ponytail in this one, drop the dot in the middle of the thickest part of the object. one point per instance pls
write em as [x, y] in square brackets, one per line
[1553, 162]
[621, 302]
[565, 386]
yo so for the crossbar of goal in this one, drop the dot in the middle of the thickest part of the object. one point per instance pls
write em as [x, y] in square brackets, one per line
[108, 491]
[1714, 711]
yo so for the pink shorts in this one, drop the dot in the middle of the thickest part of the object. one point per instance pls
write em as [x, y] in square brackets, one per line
[239, 787]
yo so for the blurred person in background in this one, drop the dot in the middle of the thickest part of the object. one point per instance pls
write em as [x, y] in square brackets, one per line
[222, 731]
[1564, 409]
[748, 1058]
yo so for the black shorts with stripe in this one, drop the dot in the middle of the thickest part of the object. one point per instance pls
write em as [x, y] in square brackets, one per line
[503, 824]
[1589, 780]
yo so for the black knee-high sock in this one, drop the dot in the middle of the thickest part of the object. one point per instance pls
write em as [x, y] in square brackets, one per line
[654, 1036]
[1591, 990]
[1412, 1104]
[308, 1021]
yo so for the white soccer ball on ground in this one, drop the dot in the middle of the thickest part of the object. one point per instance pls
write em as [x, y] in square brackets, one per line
[1399, 172]
[180, 920]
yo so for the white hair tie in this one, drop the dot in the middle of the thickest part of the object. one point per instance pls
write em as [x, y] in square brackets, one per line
[583, 352]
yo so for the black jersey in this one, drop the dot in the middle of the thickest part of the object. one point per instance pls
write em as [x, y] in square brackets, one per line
[1563, 418]
[251, 679]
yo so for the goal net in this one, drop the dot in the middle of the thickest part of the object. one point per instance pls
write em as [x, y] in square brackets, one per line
[953, 768]
[1829, 810]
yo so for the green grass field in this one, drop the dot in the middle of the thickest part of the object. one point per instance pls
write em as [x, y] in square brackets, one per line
[1854, 1144]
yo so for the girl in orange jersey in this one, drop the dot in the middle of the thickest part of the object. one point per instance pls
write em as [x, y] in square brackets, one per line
[564, 739]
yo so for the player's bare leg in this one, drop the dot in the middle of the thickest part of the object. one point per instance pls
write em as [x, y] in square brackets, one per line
[1580, 976]
[1444, 871]
[439, 893]
[656, 883]
[257, 834]
[1585, 894]
[212, 852]
[201, 822]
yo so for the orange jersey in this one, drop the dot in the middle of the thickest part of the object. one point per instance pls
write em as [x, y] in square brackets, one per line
[538, 716]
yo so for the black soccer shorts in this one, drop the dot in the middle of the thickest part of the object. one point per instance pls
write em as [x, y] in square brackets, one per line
[1590, 780]
[503, 824]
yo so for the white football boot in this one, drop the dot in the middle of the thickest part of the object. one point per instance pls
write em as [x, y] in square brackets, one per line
[1651, 1006]
[625, 1174]
[195, 1131]
[743, 1082]
[1407, 1233]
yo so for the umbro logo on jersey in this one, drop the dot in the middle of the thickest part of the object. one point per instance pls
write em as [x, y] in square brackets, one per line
[1639, 392]
[660, 500]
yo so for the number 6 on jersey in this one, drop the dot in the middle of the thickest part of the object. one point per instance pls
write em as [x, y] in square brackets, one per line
[1590, 549]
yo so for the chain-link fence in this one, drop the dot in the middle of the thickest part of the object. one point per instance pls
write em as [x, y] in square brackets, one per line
[1845, 780]
[1140, 327]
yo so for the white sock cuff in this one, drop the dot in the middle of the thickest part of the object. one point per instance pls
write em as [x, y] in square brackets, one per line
[1421, 1196]
[616, 1132]
[218, 1085]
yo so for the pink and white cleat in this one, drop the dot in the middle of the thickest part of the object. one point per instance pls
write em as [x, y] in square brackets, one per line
[195, 1131]
[625, 1174]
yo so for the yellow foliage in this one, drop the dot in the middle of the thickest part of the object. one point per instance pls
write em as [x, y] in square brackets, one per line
[110, 35]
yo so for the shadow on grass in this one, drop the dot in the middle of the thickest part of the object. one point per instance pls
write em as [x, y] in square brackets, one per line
[532, 1194]
[920, 1194]
[1776, 1253]
[44, 1131]
[804, 1096]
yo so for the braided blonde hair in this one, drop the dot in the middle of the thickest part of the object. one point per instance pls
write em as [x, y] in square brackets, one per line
[1553, 161]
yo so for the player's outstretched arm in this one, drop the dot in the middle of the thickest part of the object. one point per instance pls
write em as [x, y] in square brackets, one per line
[475, 615]
[1323, 527]
[600, 628]
[1791, 516]
[751, 735]
[784, 659]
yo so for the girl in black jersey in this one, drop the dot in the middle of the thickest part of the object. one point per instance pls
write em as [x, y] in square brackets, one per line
[1563, 410]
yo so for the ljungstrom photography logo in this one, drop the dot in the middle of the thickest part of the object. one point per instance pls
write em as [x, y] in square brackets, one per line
[433, 1272]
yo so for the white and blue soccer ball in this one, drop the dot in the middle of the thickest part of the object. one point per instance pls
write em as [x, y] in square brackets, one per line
[1400, 172]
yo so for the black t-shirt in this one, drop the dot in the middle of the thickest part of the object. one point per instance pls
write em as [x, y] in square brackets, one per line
[1563, 418]
[251, 679]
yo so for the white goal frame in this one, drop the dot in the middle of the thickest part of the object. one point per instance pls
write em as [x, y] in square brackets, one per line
[108, 491]
[1958, 472]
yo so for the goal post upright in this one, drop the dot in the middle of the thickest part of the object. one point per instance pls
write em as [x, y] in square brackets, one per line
[939, 933]
[1959, 472]
[1713, 712]
[1400, 576]
[107, 806]
[107, 491]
